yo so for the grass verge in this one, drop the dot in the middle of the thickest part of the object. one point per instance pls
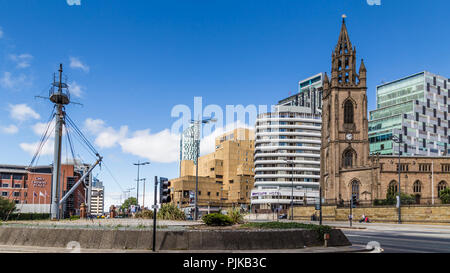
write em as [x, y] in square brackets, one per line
[320, 229]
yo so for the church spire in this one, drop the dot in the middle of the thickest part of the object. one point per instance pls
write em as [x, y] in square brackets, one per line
[344, 40]
[344, 60]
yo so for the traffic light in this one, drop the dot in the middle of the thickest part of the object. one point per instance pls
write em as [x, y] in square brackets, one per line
[354, 201]
[164, 191]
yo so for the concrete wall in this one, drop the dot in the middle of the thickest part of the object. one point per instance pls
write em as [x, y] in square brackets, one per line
[413, 214]
[168, 240]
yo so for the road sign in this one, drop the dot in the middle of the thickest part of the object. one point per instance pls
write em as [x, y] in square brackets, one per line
[155, 206]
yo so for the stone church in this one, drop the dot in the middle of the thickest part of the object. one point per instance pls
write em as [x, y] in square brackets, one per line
[346, 166]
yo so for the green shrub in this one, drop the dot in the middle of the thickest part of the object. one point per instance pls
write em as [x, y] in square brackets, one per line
[74, 217]
[236, 216]
[170, 212]
[6, 207]
[145, 214]
[391, 199]
[217, 219]
[444, 195]
[29, 216]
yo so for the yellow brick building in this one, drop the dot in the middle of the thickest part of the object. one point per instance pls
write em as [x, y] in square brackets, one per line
[226, 176]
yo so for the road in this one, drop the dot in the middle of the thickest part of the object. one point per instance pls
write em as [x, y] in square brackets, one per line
[395, 239]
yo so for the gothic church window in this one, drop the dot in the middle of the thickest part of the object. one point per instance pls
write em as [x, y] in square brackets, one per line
[441, 186]
[393, 186]
[355, 188]
[348, 112]
[348, 158]
[417, 187]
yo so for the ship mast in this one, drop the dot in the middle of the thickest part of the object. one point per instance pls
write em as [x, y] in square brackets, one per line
[59, 95]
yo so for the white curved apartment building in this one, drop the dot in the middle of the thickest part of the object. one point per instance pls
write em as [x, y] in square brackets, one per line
[289, 135]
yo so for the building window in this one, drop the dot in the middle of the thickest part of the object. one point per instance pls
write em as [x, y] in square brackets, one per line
[4, 193]
[441, 186]
[445, 168]
[199, 193]
[18, 176]
[393, 187]
[417, 187]
[355, 188]
[403, 167]
[424, 167]
[16, 185]
[348, 158]
[348, 112]
[16, 194]
[6, 176]
[4, 185]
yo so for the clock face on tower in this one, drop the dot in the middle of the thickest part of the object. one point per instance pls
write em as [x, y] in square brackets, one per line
[349, 136]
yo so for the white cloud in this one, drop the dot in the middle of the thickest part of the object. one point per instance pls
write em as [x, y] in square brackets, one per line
[76, 89]
[73, 2]
[22, 60]
[94, 126]
[160, 147]
[11, 82]
[31, 148]
[40, 127]
[76, 63]
[22, 112]
[109, 137]
[1, 33]
[11, 129]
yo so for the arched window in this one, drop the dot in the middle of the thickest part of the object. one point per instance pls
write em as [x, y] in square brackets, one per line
[417, 187]
[348, 158]
[355, 188]
[441, 186]
[348, 112]
[393, 186]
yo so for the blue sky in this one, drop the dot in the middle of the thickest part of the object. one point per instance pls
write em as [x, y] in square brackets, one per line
[130, 62]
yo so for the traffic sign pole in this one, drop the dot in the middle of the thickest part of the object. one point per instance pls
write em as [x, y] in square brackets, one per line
[154, 215]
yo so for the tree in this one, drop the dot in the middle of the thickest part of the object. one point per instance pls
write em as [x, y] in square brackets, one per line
[444, 195]
[6, 207]
[129, 202]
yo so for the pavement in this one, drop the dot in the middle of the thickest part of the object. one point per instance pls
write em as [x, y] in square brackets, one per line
[397, 238]
[76, 249]
[382, 237]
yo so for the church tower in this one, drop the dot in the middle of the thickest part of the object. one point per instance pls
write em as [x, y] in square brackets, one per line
[345, 165]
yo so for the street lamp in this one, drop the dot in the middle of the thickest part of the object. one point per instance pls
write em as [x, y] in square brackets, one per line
[196, 140]
[398, 140]
[137, 182]
[292, 188]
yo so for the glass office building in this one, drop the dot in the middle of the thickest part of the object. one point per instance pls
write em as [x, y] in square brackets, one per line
[415, 108]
